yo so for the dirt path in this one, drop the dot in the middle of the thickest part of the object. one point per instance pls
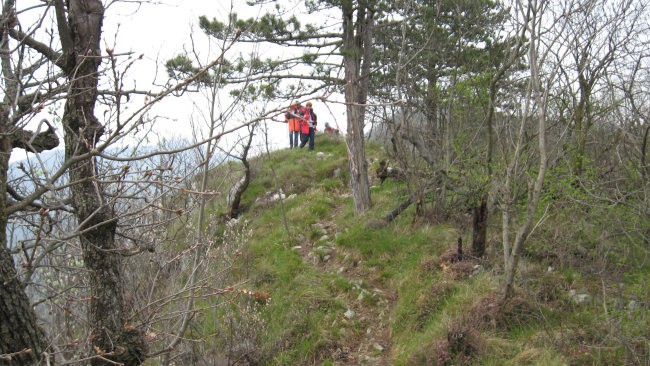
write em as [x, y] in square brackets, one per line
[369, 303]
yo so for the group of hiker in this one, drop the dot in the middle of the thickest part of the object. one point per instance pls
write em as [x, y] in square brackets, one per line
[302, 123]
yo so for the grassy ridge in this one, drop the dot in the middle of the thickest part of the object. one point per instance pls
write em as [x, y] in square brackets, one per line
[411, 306]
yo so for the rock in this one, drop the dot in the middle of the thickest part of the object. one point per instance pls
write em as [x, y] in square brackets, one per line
[277, 197]
[340, 270]
[326, 258]
[324, 249]
[349, 314]
[297, 247]
[292, 196]
[337, 173]
[320, 154]
[550, 269]
[324, 238]
[579, 298]
[378, 347]
[313, 257]
[632, 305]
[318, 226]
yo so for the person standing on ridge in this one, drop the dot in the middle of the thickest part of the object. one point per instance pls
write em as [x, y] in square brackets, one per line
[308, 126]
[292, 117]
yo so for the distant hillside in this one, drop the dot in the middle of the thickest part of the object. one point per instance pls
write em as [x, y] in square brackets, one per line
[25, 174]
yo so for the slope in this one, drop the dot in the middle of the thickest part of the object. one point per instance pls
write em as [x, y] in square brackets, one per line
[319, 285]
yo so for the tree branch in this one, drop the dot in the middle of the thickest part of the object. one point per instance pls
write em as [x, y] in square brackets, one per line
[35, 142]
[42, 48]
[65, 34]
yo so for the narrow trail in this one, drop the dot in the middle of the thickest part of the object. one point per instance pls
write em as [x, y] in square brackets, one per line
[367, 320]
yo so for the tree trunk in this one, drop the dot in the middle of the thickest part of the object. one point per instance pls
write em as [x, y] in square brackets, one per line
[111, 337]
[19, 330]
[357, 46]
[241, 186]
[513, 254]
[479, 228]
[18, 326]
[357, 160]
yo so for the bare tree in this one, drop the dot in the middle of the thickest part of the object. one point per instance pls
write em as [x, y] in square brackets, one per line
[103, 186]
[534, 110]
[598, 34]
[22, 341]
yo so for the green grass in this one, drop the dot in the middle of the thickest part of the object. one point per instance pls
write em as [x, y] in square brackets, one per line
[303, 322]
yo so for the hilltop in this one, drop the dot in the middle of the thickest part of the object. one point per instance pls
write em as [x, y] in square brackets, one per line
[308, 282]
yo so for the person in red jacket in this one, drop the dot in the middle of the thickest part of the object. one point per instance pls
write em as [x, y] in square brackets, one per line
[308, 126]
[292, 117]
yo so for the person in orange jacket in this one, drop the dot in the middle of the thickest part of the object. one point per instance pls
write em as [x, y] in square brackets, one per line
[292, 117]
[308, 126]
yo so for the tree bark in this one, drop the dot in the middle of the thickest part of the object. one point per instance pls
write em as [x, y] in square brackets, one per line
[357, 43]
[479, 228]
[111, 337]
[241, 185]
[397, 211]
[19, 330]
[22, 341]
[513, 254]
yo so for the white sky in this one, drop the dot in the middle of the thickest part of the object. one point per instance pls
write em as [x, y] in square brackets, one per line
[165, 29]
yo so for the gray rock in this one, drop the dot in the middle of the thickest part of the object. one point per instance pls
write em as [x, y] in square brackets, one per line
[581, 298]
[318, 226]
[632, 305]
[572, 293]
[361, 296]
[324, 238]
[324, 249]
[378, 347]
[320, 154]
[278, 196]
[349, 314]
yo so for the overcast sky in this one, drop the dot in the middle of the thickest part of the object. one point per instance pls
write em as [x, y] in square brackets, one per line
[163, 29]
